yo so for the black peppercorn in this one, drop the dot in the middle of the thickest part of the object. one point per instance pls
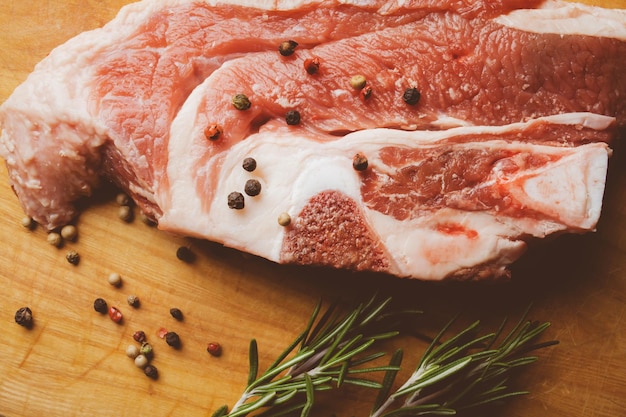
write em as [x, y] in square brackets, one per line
[241, 102]
[287, 48]
[292, 117]
[100, 306]
[252, 188]
[172, 339]
[151, 371]
[359, 162]
[176, 313]
[235, 200]
[24, 317]
[411, 96]
[185, 254]
[73, 257]
[249, 164]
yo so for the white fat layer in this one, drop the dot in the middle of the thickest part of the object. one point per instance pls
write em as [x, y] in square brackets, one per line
[292, 169]
[566, 18]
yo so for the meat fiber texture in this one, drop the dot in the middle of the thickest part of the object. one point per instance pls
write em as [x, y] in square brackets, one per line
[509, 140]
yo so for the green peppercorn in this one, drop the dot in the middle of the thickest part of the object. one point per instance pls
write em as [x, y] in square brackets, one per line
[252, 188]
[359, 162]
[72, 257]
[172, 339]
[411, 96]
[241, 102]
[146, 349]
[24, 317]
[249, 164]
[100, 305]
[151, 371]
[292, 117]
[287, 48]
[236, 200]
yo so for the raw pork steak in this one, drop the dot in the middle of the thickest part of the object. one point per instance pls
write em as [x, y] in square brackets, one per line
[505, 136]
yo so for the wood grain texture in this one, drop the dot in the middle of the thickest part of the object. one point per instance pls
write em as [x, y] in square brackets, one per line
[72, 362]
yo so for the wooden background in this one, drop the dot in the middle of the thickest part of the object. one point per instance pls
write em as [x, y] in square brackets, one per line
[72, 362]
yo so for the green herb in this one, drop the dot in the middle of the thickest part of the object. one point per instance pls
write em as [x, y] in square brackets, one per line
[469, 369]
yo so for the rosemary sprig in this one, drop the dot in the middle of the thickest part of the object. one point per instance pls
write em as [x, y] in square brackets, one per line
[466, 371]
[331, 351]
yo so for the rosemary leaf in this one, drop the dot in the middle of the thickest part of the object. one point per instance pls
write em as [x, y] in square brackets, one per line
[254, 361]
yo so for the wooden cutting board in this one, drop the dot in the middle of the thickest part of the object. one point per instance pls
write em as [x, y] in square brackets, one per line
[72, 362]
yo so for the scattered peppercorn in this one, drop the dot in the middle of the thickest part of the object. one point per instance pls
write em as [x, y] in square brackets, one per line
[122, 199]
[24, 317]
[411, 96]
[287, 48]
[115, 279]
[151, 371]
[147, 220]
[312, 65]
[366, 93]
[176, 313]
[284, 219]
[249, 164]
[125, 213]
[235, 200]
[292, 117]
[141, 361]
[213, 131]
[133, 301]
[72, 257]
[132, 351]
[241, 102]
[172, 339]
[28, 222]
[69, 232]
[252, 187]
[359, 162]
[185, 254]
[55, 239]
[115, 314]
[358, 81]
[100, 305]
[146, 350]
[162, 332]
[214, 349]
[139, 336]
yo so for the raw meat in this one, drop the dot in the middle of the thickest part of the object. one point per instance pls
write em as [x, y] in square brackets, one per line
[483, 171]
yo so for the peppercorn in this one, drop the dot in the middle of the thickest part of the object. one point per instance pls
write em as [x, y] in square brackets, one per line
[176, 313]
[284, 219]
[55, 239]
[115, 314]
[312, 65]
[252, 187]
[141, 361]
[139, 336]
[359, 162]
[146, 350]
[358, 81]
[235, 200]
[100, 305]
[365, 93]
[411, 96]
[249, 164]
[122, 199]
[69, 232]
[162, 332]
[151, 371]
[185, 254]
[241, 102]
[115, 279]
[72, 257]
[214, 349]
[132, 351]
[287, 48]
[172, 339]
[147, 220]
[292, 117]
[24, 317]
[28, 222]
[213, 131]
[125, 213]
[133, 301]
